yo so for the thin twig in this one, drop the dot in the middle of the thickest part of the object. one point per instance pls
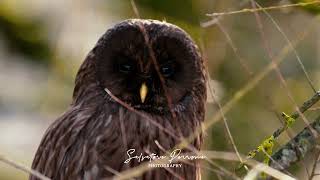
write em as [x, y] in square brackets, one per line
[276, 68]
[246, 88]
[22, 168]
[239, 94]
[212, 94]
[235, 49]
[263, 9]
[314, 166]
[152, 121]
[123, 128]
[217, 19]
[228, 156]
[293, 49]
[135, 9]
[314, 109]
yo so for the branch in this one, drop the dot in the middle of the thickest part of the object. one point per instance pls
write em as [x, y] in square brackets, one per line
[305, 106]
[297, 148]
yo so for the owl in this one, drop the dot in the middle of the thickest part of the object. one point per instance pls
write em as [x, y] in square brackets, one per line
[141, 88]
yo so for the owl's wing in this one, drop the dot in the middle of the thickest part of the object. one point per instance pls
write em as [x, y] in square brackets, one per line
[60, 139]
[51, 147]
[80, 145]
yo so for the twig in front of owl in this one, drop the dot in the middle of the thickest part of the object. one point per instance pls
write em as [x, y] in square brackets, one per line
[141, 114]
[128, 93]
[156, 65]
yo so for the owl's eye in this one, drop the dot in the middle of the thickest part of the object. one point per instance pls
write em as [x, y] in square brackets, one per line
[126, 67]
[167, 70]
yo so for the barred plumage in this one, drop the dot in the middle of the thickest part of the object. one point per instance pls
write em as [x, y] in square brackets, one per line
[90, 140]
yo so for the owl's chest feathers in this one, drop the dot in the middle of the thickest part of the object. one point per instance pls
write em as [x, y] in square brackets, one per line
[135, 129]
[121, 129]
[104, 137]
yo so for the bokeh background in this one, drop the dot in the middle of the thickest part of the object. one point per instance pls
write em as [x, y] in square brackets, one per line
[43, 43]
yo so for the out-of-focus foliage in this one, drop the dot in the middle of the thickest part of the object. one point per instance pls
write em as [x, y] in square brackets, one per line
[176, 10]
[24, 35]
[31, 94]
[313, 8]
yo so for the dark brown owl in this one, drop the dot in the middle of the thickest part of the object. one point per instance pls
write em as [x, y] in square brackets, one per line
[141, 87]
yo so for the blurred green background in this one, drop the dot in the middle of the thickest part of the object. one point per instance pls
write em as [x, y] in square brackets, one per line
[43, 43]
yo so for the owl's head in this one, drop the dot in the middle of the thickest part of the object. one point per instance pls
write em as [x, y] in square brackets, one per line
[147, 64]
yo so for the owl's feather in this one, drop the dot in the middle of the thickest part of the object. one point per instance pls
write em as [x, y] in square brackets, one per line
[90, 140]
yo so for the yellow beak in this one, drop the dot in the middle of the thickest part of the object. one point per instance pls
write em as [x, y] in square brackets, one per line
[143, 92]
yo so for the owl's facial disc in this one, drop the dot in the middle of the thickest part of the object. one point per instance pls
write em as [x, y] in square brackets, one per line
[127, 69]
[137, 82]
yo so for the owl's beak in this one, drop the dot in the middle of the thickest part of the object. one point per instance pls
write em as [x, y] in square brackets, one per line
[143, 92]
